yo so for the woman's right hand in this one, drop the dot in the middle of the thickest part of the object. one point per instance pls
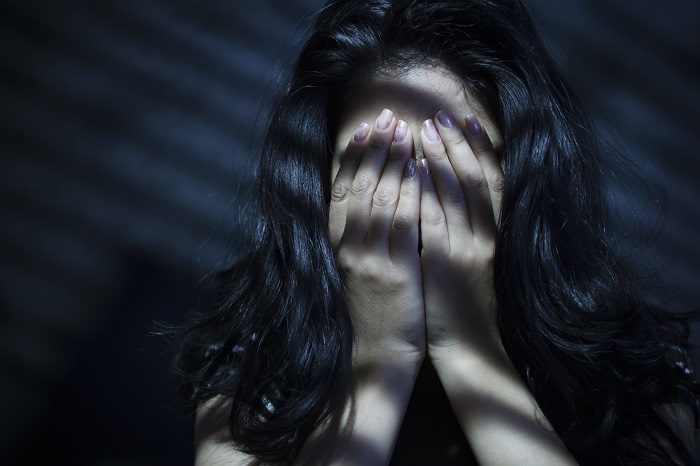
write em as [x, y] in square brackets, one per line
[373, 221]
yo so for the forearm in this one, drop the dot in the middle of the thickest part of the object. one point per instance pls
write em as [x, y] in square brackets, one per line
[366, 430]
[497, 412]
[374, 227]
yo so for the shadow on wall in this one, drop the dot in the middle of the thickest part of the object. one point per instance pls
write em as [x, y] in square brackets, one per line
[124, 157]
[126, 128]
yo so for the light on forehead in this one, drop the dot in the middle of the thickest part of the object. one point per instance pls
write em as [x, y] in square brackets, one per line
[414, 96]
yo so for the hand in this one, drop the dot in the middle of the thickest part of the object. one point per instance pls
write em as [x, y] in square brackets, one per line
[461, 191]
[374, 214]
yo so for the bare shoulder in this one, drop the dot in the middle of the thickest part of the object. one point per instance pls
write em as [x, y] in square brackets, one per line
[213, 445]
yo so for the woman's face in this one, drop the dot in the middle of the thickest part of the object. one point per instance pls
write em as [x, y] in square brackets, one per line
[414, 96]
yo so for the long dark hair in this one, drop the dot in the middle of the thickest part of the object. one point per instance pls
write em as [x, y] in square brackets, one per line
[277, 339]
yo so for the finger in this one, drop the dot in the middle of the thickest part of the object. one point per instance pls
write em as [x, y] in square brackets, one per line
[449, 191]
[470, 175]
[340, 191]
[487, 157]
[367, 177]
[386, 197]
[404, 231]
[433, 227]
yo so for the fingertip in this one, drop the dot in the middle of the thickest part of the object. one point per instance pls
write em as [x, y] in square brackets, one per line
[425, 175]
[361, 132]
[400, 132]
[384, 120]
[477, 134]
[410, 170]
[430, 132]
[473, 125]
[411, 183]
[444, 118]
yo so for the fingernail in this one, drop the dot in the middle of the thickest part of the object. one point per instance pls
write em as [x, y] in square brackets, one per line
[444, 119]
[423, 164]
[430, 131]
[426, 179]
[473, 126]
[400, 132]
[361, 132]
[410, 168]
[384, 119]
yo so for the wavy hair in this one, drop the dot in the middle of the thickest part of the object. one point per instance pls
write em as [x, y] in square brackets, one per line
[276, 340]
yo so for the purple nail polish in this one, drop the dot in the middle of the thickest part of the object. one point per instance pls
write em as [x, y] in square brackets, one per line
[444, 119]
[423, 164]
[384, 120]
[473, 126]
[430, 131]
[361, 132]
[425, 176]
[410, 168]
[400, 132]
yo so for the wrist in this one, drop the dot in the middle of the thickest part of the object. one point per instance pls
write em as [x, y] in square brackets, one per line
[477, 350]
[387, 355]
[472, 368]
[375, 403]
[498, 414]
[390, 372]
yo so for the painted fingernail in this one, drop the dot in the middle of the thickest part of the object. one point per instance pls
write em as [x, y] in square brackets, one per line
[444, 119]
[384, 119]
[400, 132]
[361, 132]
[425, 173]
[430, 131]
[410, 171]
[473, 126]
[423, 163]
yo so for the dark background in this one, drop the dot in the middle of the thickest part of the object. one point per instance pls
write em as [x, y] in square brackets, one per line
[128, 135]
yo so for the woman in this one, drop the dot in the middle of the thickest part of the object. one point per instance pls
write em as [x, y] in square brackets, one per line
[431, 202]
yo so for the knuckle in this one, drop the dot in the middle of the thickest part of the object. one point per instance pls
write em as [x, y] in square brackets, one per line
[361, 185]
[409, 192]
[396, 281]
[434, 217]
[452, 195]
[496, 183]
[384, 198]
[339, 191]
[366, 271]
[476, 179]
[345, 259]
[403, 223]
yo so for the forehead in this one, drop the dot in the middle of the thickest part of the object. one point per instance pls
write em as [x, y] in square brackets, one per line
[414, 96]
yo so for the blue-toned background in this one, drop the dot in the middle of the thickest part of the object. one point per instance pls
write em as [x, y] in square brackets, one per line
[128, 135]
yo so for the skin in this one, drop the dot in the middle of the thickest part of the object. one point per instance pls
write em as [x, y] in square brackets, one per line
[409, 303]
[414, 97]
[436, 302]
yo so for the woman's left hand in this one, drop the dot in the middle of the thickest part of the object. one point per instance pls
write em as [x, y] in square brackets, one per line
[461, 178]
[460, 202]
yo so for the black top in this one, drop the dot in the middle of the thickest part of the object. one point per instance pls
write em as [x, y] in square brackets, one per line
[430, 433]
